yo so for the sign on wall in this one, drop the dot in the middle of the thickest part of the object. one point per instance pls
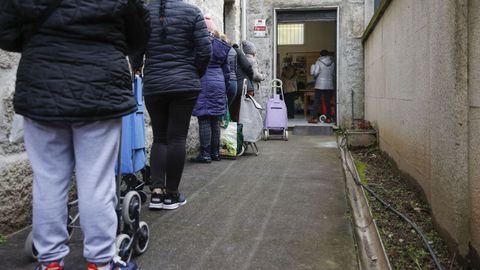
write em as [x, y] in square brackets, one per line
[260, 28]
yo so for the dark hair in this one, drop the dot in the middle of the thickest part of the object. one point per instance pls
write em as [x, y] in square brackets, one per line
[162, 17]
[235, 46]
[324, 53]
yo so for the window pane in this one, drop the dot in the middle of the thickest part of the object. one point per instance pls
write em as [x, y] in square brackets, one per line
[291, 34]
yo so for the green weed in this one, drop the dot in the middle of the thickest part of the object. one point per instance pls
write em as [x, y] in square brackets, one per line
[3, 240]
[361, 168]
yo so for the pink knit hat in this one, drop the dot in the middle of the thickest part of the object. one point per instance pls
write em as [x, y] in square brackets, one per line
[210, 24]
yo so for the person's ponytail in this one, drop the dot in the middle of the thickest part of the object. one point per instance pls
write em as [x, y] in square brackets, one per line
[162, 18]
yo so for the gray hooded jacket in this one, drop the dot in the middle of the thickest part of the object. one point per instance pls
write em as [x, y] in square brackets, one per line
[324, 72]
[250, 50]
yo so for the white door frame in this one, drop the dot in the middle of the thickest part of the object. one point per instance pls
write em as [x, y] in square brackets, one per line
[337, 53]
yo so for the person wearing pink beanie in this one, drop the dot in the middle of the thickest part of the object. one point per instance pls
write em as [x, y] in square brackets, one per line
[210, 24]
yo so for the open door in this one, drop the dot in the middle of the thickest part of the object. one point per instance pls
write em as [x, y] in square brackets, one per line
[299, 38]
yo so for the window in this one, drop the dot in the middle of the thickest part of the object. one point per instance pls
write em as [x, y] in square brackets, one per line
[291, 34]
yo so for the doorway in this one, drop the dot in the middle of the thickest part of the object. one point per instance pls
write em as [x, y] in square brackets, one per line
[300, 37]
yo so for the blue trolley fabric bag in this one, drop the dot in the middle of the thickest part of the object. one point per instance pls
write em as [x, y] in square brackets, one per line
[133, 154]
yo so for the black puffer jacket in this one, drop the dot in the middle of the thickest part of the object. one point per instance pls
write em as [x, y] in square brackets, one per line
[74, 67]
[176, 58]
[244, 70]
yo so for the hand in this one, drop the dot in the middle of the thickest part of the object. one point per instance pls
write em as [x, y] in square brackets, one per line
[137, 71]
[251, 93]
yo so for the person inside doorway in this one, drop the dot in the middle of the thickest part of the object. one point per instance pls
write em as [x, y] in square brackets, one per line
[289, 79]
[323, 72]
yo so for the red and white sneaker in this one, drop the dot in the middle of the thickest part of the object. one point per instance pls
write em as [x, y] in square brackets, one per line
[50, 266]
[115, 264]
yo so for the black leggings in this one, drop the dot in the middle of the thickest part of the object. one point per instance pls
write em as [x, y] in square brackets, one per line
[170, 115]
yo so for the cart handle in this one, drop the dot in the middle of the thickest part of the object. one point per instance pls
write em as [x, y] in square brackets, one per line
[277, 83]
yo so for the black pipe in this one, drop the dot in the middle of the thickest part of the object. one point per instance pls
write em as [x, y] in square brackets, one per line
[353, 117]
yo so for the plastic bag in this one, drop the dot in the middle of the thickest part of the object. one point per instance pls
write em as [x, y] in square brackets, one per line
[16, 132]
[228, 140]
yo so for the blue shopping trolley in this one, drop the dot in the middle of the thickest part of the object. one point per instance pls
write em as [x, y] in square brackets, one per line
[132, 234]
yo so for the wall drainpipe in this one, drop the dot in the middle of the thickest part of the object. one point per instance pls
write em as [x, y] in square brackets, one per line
[353, 116]
[244, 19]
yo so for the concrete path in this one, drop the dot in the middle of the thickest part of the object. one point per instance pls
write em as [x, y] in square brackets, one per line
[285, 209]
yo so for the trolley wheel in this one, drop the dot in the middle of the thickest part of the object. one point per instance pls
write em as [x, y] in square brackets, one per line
[122, 242]
[265, 134]
[29, 249]
[242, 151]
[143, 196]
[131, 207]
[143, 235]
[322, 118]
[285, 135]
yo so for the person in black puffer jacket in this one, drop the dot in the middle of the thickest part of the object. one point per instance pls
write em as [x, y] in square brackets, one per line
[177, 56]
[73, 85]
[244, 71]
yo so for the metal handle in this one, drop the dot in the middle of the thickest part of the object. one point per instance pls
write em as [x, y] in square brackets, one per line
[277, 83]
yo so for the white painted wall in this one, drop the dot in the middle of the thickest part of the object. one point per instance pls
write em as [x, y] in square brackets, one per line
[421, 85]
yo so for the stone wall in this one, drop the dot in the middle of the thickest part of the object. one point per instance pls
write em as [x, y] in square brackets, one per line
[233, 20]
[417, 95]
[350, 56]
[15, 173]
[214, 8]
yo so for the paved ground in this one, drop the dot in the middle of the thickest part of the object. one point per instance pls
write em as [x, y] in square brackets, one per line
[285, 209]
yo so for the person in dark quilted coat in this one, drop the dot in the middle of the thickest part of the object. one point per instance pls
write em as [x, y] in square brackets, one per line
[212, 101]
[73, 85]
[244, 71]
[176, 57]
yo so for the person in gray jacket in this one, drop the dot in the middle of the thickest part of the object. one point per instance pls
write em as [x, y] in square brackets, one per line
[250, 53]
[323, 72]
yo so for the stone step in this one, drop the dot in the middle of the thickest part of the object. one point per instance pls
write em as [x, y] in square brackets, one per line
[300, 126]
[305, 130]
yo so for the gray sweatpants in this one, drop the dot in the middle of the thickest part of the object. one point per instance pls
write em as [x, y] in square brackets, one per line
[54, 150]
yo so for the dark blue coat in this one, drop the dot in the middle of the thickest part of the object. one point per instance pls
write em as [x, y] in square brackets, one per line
[212, 98]
[176, 58]
[74, 67]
